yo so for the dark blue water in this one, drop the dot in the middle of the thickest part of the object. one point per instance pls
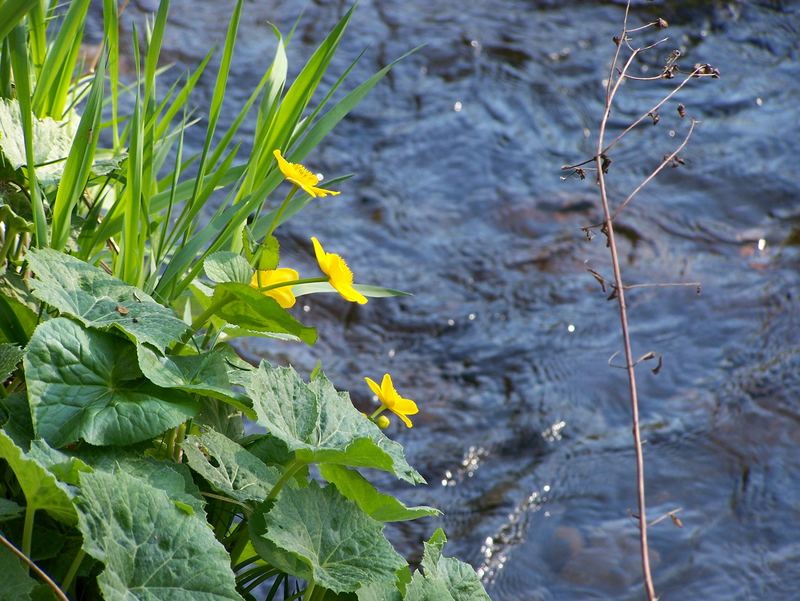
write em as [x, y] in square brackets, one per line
[524, 430]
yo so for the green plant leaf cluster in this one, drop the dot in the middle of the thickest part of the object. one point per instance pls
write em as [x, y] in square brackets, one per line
[126, 472]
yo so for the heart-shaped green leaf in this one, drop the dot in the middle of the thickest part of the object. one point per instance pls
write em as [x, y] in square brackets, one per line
[40, 487]
[234, 471]
[247, 308]
[225, 266]
[320, 424]
[316, 533]
[51, 141]
[379, 506]
[445, 578]
[101, 301]
[87, 384]
[152, 550]
[206, 374]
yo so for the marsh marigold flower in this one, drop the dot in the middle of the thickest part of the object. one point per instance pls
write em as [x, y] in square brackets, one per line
[270, 277]
[339, 274]
[391, 399]
[300, 176]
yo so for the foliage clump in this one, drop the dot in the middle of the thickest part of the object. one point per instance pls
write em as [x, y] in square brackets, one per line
[126, 472]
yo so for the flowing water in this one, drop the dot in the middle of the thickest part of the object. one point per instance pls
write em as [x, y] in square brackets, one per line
[524, 429]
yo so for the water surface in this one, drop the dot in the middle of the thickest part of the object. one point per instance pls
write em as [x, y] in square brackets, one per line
[524, 430]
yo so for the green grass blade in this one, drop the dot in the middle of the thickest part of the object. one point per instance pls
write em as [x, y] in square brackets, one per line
[12, 12]
[5, 69]
[111, 30]
[181, 97]
[218, 96]
[19, 64]
[50, 95]
[300, 92]
[37, 32]
[79, 162]
[330, 119]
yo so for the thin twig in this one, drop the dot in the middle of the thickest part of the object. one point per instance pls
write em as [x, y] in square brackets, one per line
[669, 514]
[39, 572]
[654, 109]
[623, 315]
[664, 285]
[667, 160]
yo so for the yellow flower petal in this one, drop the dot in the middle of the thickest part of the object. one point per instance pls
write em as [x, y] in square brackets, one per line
[374, 387]
[406, 407]
[406, 421]
[339, 274]
[388, 393]
[267, 277]
[300, 176]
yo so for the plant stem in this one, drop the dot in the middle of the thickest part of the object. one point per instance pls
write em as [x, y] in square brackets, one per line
[171, 442]
[290, 471]
[27, 530]
[276, 220]
[39, 572]
[199, 321]
[73, 569]
[377, 412]
[623, 314]
[180, 436]
[309, 590]
[292, 283]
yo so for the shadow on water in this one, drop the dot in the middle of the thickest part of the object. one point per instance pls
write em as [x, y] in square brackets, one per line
[524, 431]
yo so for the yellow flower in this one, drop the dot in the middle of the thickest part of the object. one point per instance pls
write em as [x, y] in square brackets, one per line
[390, 399]
[268, 277]
[339, 274]
[300, 176]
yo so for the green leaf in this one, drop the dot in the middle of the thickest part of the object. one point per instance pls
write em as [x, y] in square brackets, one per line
[17, 321]
[15, 584]
[101, 301]
[377, 592]
[247, 308]
[173, 478]
[206, 374]
[86, 384]
[269, 253]
[224, 266]
[9, 510]
[445, 578]
[67, 469]
[10, 356]
[11, 13]
[316, 533]
[18, 425]
[41, 489]
[51, 141]
[320, 424]
[79, 162]
[152, 550]
[379, 506]
[234, 471]
[367, 290]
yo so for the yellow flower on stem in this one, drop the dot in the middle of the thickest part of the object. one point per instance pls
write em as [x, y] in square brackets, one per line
[339, 274]
[270, 277]
[390, 399]
[302, 177]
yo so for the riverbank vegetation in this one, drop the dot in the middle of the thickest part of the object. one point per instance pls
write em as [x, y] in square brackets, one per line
[129, 267]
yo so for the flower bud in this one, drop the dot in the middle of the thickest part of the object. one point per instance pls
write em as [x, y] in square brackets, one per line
[383, 422]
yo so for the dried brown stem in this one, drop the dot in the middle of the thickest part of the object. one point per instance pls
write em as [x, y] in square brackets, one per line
[623, 312]
[667, 160]
[37, 570]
